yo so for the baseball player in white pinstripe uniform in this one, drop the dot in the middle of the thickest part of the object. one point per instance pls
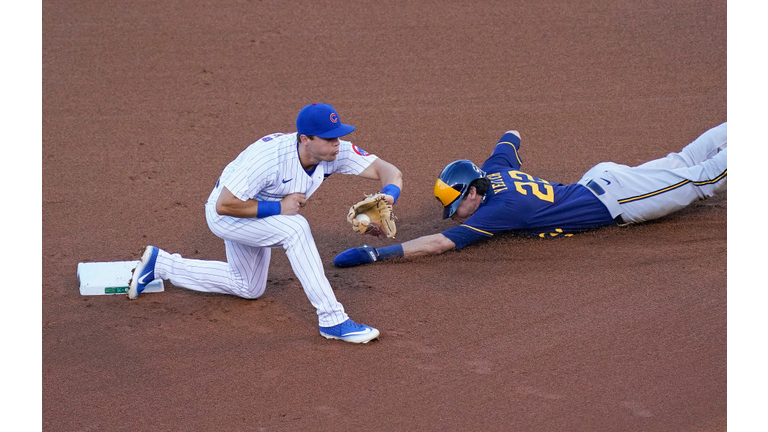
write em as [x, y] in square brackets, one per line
[254, 207]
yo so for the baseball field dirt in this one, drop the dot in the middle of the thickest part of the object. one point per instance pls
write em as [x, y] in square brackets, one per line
[619, 329]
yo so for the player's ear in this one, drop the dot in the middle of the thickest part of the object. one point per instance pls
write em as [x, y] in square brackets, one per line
[304, 139]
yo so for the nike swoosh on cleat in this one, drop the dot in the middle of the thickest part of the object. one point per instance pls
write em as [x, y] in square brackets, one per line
[606, 181]
[357, 333]
[141, 279]
[286, 181]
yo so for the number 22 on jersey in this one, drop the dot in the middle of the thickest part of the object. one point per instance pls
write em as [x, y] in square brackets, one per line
[541, 189]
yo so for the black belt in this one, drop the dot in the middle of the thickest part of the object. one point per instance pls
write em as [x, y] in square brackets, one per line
[598, 190]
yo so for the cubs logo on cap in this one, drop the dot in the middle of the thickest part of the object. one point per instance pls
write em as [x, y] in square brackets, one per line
[321, 120]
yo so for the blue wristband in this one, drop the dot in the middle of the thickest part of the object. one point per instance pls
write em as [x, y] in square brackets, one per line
[268, 208]
[394, 251]
[392, 190]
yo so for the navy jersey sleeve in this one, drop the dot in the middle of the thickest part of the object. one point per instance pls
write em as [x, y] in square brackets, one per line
[464, 235]
[505, 154]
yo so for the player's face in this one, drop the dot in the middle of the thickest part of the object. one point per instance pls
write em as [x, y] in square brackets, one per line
[467, 208]
[322, 149]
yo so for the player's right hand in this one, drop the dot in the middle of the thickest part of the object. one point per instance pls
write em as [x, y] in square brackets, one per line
[291, 204]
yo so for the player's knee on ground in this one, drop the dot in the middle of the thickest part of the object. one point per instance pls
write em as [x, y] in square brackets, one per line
[248, 286]
[250, 291]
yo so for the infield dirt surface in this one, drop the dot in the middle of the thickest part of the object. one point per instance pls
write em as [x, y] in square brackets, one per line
[144, 103]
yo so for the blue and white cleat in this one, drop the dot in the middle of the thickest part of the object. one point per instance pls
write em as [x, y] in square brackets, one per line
[144, 273]
[350, 331]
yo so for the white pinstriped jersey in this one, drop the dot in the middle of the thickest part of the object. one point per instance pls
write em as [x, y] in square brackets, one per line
[270, 169]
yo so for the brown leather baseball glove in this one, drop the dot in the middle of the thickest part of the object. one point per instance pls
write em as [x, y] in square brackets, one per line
[373, 216]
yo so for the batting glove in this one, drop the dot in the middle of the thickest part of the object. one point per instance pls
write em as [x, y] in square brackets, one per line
[356, 256]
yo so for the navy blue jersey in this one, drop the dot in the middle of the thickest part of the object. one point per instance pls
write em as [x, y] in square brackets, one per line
[527, 205]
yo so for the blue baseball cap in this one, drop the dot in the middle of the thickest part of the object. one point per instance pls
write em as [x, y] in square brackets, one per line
[321, 120]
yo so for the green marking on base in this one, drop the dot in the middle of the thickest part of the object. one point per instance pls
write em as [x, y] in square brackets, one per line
[116, 290]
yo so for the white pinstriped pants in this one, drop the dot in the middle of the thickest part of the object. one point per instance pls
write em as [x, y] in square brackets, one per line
[248, 245]
[666, 185]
